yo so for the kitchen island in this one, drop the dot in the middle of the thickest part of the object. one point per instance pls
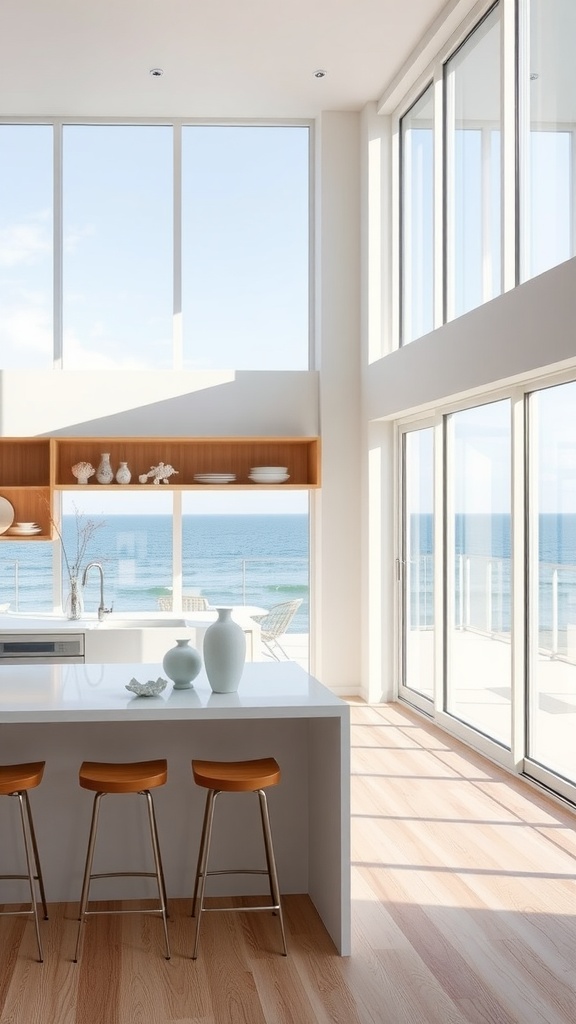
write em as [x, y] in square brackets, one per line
[65, 714]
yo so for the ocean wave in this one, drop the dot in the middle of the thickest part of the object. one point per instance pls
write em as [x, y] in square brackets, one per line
[286, 588]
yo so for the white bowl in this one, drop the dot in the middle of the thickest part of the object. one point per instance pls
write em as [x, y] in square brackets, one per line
[269, 478]
[26, 526]
[277, 470]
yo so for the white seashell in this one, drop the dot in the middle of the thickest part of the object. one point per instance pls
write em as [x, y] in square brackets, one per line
[152, 688]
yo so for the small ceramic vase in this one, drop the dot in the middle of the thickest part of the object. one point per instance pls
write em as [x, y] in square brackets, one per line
[123, 474]
[182, 664]
[224, 652]
[105, 473]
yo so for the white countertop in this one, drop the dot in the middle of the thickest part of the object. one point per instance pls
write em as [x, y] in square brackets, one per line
[92, 693]
[49, 622]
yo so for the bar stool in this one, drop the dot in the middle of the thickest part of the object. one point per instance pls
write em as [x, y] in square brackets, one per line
[134, 777]
[16, 780]
[236, 777]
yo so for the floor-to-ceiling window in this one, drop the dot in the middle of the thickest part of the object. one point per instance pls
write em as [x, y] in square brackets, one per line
[417, 561]
[478, 548]
[547, 169]
[551, 701]
[26, 246]
[417, 213]
[245, 225]
[154, 246]
[473, 169]
[117, 246]
[160, 246]
[503, 670]
[502, 149]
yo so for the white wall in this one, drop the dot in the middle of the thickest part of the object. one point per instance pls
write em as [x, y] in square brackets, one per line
[336, 520]
[163, 403]
[512, 337]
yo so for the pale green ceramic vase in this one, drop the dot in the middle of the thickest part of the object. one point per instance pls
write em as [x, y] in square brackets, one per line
[224, 652]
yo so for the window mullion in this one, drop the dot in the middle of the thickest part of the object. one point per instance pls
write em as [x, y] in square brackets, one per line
[177, 332]
[510, 127]
[57, 314]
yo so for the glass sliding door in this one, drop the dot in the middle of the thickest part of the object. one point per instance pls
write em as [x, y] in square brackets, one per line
[473, 169]
[552, 580]
[418, 562]
[417, 212]
[478, 590]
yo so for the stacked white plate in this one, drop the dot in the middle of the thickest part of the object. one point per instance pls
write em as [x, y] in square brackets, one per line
[269, 474]
[214, 478]
[24, 529]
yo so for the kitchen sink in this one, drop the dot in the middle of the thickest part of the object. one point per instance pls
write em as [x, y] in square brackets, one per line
[112, 623]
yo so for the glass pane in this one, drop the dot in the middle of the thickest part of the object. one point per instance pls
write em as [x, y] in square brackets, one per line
[245, 224]
[118, 265]
[25, 576]
[552, 560]
[418, 558]
[479, 569]
[130, 536]
[250, 549]
[473, 91]
[26, 234]
[417, 141]
[549, 83]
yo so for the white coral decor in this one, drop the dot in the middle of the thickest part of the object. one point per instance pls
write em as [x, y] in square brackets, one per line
[152, 688]
[83, 471]
[159, 474]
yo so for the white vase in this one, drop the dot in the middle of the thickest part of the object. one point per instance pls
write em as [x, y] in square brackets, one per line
[182, 664]
[105, 473]
[224, 652]
[123, 474]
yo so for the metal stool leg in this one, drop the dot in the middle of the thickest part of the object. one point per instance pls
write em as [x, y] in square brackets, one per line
[88, 871]
[158, 864]
[36, 854]
[271, 862]
[207, 805]
[30, 862]
[203, 863]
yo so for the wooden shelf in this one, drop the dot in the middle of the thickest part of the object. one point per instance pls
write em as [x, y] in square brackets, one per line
[190, 456]
[32, 468]
[25, 464]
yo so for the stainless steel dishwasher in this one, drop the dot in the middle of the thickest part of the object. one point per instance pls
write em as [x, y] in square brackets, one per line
[32, 648]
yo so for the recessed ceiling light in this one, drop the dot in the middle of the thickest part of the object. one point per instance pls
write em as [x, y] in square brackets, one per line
[320, 73]
[156, 72]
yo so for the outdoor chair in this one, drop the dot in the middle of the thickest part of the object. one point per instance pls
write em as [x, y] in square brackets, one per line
[190, 603]
[274, 624]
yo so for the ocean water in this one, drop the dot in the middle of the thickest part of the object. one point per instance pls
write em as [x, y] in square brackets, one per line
[230, 559]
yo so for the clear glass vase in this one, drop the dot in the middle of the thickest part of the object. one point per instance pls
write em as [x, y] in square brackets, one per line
[74, 606]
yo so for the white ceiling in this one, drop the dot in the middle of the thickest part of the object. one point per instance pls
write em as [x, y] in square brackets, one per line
[221, 58]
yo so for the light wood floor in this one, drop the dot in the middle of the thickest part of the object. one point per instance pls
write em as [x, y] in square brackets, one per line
[464, 912]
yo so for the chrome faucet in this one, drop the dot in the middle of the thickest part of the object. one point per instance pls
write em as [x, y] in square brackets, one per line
[102, 611]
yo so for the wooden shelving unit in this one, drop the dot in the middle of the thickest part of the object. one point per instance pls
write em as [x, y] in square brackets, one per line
[32, 468]
[190, 456]
[25, 480]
